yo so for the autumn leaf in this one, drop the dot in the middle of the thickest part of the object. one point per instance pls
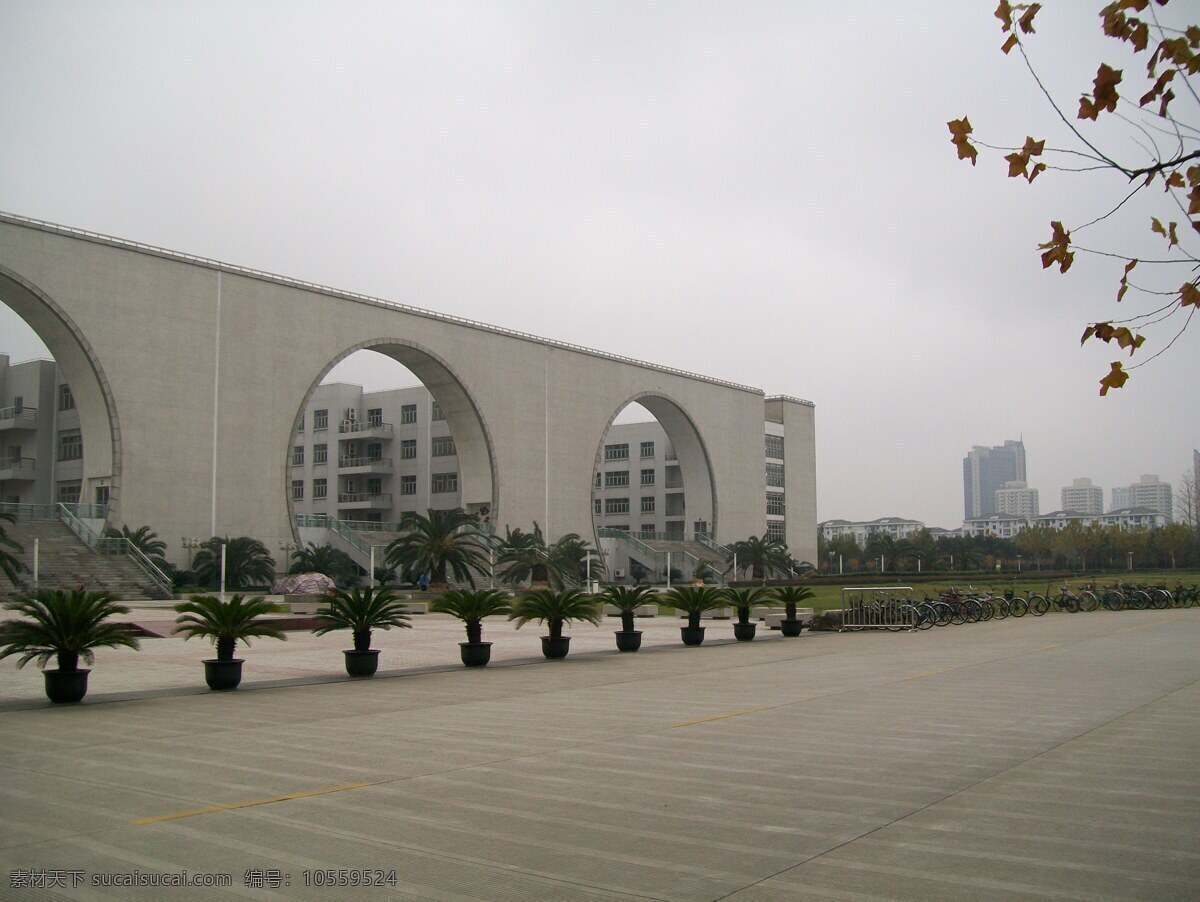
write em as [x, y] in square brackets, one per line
[1124, 282]
[1189, 295]
[1104, 93]
[1159, 87]
[959, 131]
[1057, 249]
[1116, 378]
[1026, 22]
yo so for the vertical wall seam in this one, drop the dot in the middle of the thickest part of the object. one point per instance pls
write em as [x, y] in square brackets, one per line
[216, 404]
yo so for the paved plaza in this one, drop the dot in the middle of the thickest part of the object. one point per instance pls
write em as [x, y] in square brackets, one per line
[1038, 758]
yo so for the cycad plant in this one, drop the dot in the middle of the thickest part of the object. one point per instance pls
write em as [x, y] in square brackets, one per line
[226, 623]
[694, 601]
[627, 599]
[361, 611]
[555, 609]
[438, 543]
[247, 562]
[145, 540]
[66, 626]
[471, 607]
[742, 600]
[333, 562]
[789, 597]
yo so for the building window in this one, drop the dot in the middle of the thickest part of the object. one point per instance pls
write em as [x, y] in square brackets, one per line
[617, 452]
[599, 479]
[102, 494]
[775, 530]
[68, 492]
[442, 446]
[374, 416]
[647, 477]
[320, 419]
[408, 449]
[444, 482]
[300, 428]
[438, 413]
[775, 504]
[408, 485]
[297, 489]
[66, 400]
[647, 504]
[70, 445]
[775, 447]
[595, 505]
[375, 485]
[616, 479]
[320, 454]
[648, 531]
[320, 489]
[616, 505]
[374, 451]
[775, 475]
[408, 413]
[297, 455]
[647, 449]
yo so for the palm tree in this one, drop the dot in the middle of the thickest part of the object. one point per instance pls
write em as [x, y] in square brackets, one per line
[9, 563]
[363, 610]
[226, 623]
[763, 554]
[555, 609]
[326, 559]
[471, 607]
[247, 562]
[524, 556]
[568, 560]
[438, 543]
[145, 540]
[66, 626]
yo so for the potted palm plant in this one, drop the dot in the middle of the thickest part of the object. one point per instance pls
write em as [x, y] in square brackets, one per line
[627, 599]
[471, 607]
[790, 596]
[694, 601]
[225, 623]
[360, 611]
[742, 600]
[66, 626]
[555, 609]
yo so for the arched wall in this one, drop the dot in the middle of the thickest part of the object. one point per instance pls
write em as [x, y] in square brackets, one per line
[208, 364]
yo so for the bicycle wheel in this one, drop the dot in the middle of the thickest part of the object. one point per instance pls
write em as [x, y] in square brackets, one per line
[1038, 605]
[974, 611]
[1138, 600]
[1069, 603]
[1001, 607]
[1114, 600]
[1088, 601]
[1161, 599]
[943, 614]
[1018, 606]
[925, 616]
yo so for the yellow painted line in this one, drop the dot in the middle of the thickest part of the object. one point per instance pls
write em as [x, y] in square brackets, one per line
[1130, 629]
[921, 676]
[233, 806]
[688, 723]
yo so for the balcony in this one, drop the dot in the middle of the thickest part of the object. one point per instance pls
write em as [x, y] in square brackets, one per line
[368, 429]
[353, 465]
[14, 418]
[18, 469]
[364, 501]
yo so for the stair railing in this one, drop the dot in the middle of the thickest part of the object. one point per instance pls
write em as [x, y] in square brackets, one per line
[113, 545]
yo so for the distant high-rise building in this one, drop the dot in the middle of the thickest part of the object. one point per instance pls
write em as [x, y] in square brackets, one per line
[1018, 500]
[987, 469]
[1149, 491]
[1083, 497]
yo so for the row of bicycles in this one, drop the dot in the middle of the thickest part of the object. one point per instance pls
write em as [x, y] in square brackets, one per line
[955, 606]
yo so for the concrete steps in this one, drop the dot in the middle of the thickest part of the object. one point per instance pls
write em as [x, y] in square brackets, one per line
[64, 561]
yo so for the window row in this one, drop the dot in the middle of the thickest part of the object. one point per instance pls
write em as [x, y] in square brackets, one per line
[408, 414]
[621, 505]
[439, 483]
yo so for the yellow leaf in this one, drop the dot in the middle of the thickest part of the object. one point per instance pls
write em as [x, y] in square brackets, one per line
[1026, 22]
[1116, 378]
[1189, 295]
[1010, 43]
[959, 130]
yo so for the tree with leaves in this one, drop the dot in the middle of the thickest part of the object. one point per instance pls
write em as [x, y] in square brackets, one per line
[333, 562]
[145, 540]
[247, 562]
[1158, 121]
[438, 543]
[762, 554]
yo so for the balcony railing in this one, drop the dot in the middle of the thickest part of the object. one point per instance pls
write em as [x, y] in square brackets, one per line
[350, 427]
[375, 499]
[18, 417]
[370, 463]
[18, 468]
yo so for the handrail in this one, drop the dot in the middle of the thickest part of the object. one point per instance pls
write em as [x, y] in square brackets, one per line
[355, 296]
[115, 545]
[709, 542]
[333, 524]
[350, 427]
[148, 566]
[23, 413]
[383, 463]
[18, 463]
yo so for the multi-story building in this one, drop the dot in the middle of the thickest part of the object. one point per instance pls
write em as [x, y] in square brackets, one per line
[1017, 499]
[1149, 491]
[1002, 526]
[987, 469]
[41, 446]
[862, 530]
[1082, 496]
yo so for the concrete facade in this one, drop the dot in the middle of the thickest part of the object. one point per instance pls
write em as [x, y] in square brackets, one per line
[190, 376]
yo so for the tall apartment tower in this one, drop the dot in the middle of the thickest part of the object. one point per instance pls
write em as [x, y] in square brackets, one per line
[1017, 499]
[1149, 491]
[1083, 497]
[987, 469]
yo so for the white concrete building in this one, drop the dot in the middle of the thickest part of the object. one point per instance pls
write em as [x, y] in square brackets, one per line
[1002, 526]
[1017, 499]
[862, 530]
[1083, 496]
[1149, 491]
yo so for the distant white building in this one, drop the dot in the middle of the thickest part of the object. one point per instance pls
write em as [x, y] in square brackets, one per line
[1017, 499]
[1081, 495]
[1149, 491]
[1002, 526]
[896, 527]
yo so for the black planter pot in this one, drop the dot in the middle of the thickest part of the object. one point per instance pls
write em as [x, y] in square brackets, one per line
[475, 654]
[64, 686]
[744, 632]
[361, 663]
[222, 675]
[556, 648]
[790, 628]
[692, 635]
[628, 640]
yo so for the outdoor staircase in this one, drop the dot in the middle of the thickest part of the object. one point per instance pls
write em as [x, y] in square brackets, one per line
[64, 561]
[696, 549]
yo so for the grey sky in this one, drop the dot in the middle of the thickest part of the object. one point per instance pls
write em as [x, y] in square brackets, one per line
[761, 192]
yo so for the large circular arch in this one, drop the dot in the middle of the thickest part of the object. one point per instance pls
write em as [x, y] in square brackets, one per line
[478, 479]
[98, 420]
[695, 464]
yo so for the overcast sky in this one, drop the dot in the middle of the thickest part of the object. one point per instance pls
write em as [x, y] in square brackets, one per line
[760, 192]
